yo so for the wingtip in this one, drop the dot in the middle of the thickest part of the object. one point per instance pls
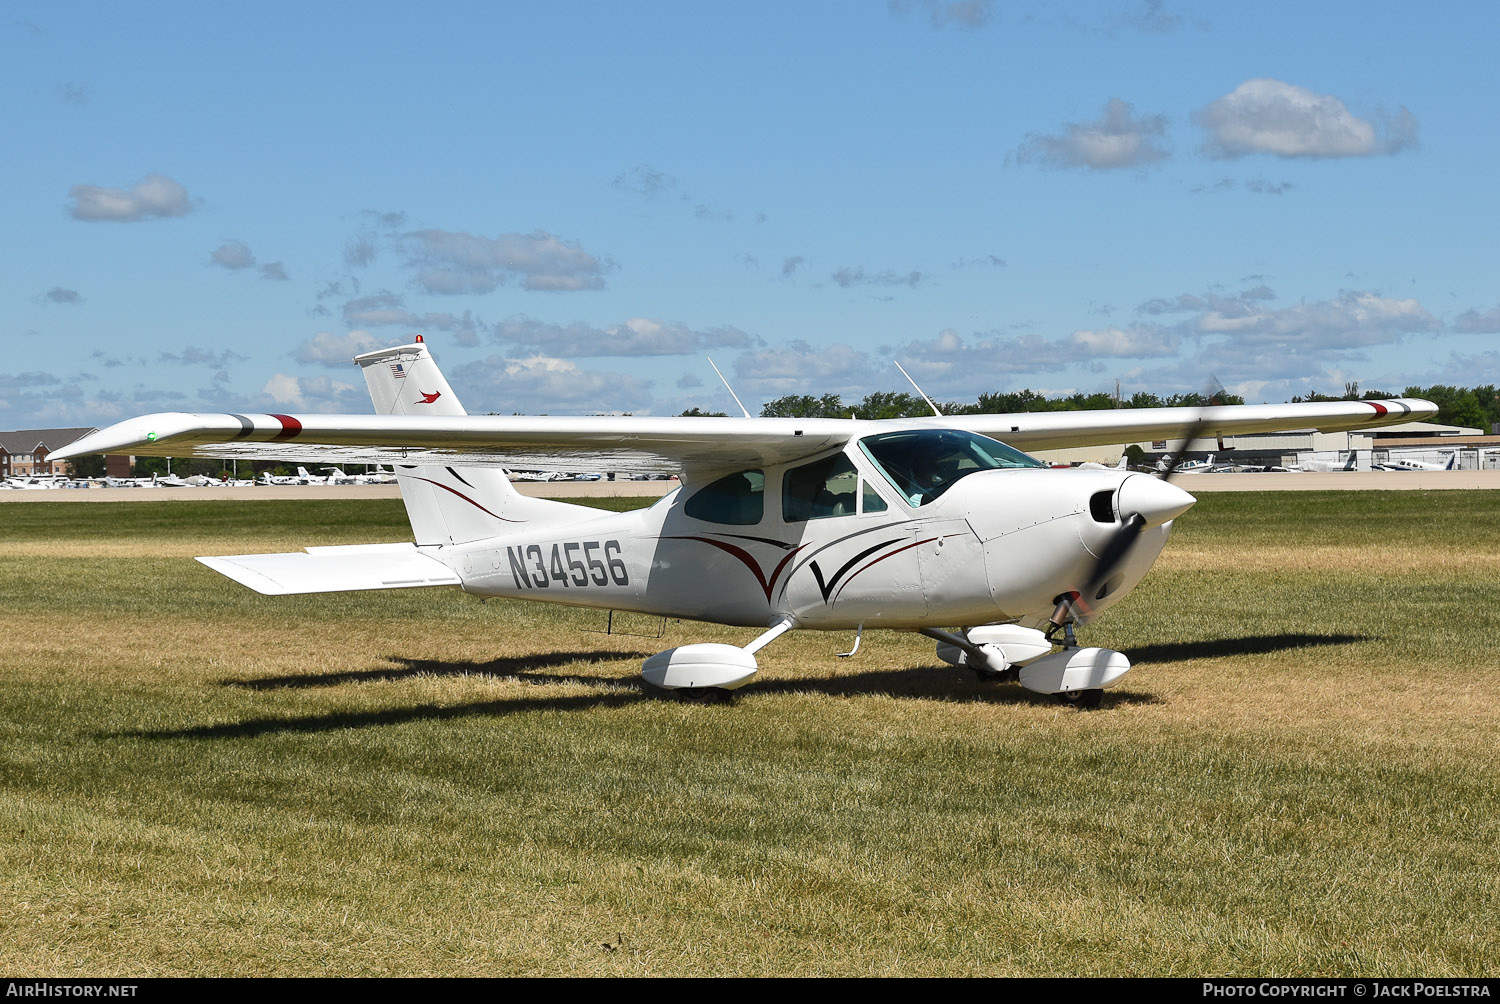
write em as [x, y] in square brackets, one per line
[131, 435]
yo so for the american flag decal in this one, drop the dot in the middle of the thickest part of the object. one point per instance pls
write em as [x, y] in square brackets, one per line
[398, 371]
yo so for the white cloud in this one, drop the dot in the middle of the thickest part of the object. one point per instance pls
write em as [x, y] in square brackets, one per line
[1148, 16]
[1116, 139]
[1474, 322]
[155, 195]
[74, 94]
[192, 355]
[361, 250]
[941, 13]
[1354, 319]
[1270, 116]
[386, 310]
[638, 336]
[314, 394]
[645, 181]
[58, 294]
[1459, 370]
[952, 365]
[857, 276]
[984, 260]
[447, 261]
[544, 384]
[1241, 305]
[1138, 341]
[378, 310]
[233, 255]
[327, 349]
[274, 270]
[1269, 353]
[800, 368]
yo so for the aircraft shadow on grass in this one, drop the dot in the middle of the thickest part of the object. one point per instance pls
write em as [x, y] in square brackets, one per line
[940, 683]
[1219, 648]
[923, 683]
[407, 668]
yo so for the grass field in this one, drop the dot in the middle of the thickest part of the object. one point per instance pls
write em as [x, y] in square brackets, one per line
[1298, 778]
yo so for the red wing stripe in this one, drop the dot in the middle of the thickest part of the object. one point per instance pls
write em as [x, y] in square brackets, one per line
[1380, 409]
[290, 428]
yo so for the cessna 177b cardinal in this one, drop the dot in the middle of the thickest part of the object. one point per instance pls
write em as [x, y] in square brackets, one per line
[923, 525]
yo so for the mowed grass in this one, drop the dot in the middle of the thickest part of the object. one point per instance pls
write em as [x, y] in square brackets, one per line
[1298, 778]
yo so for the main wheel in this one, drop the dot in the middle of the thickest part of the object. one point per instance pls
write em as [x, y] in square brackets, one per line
[1083, 700]
[704, 695]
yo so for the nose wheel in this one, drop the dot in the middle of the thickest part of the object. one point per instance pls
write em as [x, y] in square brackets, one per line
[1083, 700]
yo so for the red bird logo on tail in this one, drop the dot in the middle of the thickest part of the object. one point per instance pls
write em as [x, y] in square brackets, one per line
[429, 398]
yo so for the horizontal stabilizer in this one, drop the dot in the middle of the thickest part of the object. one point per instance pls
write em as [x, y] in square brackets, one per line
[335, 569]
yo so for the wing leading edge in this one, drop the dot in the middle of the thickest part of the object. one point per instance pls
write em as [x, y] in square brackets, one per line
[699, 447]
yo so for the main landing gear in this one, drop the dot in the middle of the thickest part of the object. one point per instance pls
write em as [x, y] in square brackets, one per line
[709, 671]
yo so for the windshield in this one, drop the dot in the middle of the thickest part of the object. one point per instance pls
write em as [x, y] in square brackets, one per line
[921, 464]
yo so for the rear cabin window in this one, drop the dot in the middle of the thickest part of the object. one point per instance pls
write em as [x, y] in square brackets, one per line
[823, 488]
[734, 500]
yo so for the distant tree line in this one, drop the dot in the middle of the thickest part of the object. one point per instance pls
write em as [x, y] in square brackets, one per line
[1474, 407]
[897, 404]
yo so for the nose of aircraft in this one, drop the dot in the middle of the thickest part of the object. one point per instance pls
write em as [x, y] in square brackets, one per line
[1156, 501]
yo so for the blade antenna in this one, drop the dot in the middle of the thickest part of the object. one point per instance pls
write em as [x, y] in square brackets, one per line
[729, 388]
[919, 389]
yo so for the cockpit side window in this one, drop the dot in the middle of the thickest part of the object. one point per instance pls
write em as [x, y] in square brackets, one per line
[734, 500]
[823, 488]
[922, 464]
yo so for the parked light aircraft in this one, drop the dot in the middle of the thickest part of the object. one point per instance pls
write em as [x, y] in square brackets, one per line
[779, 523]
[1451, 464]
[1315, 466]
[1171, 463]
[44, 482]
[1122, 464]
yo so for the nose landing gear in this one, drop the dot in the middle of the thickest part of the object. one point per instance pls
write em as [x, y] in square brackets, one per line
[995, 652]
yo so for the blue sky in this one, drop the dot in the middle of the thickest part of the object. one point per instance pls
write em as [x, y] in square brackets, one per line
[212, 208]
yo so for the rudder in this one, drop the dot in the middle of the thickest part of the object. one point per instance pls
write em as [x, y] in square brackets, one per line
[446, 504]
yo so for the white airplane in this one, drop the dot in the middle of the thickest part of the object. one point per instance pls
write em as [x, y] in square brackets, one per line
[823, 524]
[1451, 464]
[41, 482]
[1328, 467]
[300, 478]
[379, 476]
[1170, 463]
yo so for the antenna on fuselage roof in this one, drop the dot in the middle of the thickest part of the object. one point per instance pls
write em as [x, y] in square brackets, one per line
[919, 389]
[729, 388]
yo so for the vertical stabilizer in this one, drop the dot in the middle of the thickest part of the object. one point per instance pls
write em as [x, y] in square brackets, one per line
[446, 505]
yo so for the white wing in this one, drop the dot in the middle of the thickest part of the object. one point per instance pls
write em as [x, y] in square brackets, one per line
[697, 446]
[335, 569]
